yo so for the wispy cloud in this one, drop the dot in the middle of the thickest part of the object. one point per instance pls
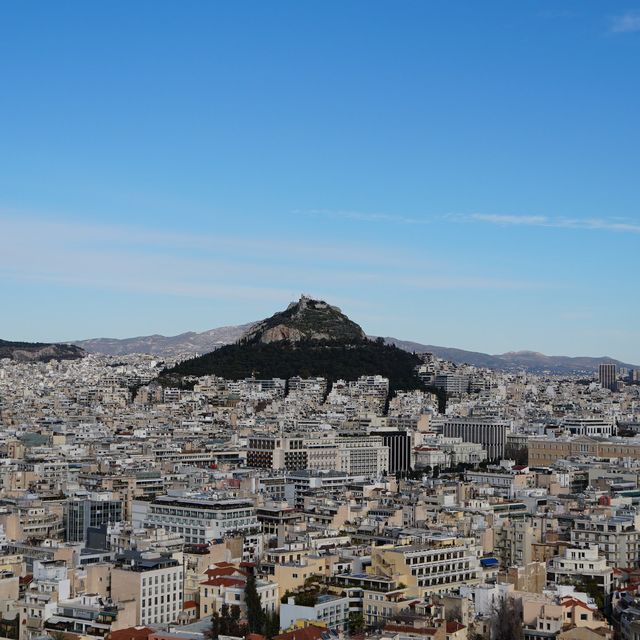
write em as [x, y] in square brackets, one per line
[575, 315]
[127, 258]
[590, 224]
[559, 222]
[85, 234]
[363, 216]
[625, 23]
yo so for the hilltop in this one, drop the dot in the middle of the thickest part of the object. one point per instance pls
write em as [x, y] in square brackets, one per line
[309, 338]
[306, 320]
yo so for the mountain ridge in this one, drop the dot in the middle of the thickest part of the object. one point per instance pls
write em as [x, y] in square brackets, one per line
[158, 344]
[531, 361]
[192, 342]
[39, 351]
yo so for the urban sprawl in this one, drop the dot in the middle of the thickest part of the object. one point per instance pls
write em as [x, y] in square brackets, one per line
[304, 509]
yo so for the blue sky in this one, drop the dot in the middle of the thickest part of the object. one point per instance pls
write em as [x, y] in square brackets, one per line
[457, 173]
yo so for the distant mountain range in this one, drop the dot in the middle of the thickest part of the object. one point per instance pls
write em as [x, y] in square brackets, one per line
[192, 343]
[39, 351]
[184, 343]
[513, 360]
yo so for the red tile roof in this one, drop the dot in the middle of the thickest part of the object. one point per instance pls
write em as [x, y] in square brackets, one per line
[572, 602]
[131, 633]
[224, 582]
[310, 632]
[404, 628]
[221, 569]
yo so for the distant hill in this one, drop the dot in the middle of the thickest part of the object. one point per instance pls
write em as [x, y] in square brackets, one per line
[309, 338]
[190, 342]
[513, 360]
[39, 351]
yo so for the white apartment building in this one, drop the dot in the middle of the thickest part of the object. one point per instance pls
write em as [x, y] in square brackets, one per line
[504, 484]
[308, 480]
[199, 520]
[491, 434]
[447, 452]
[332, 610]
[365, 455]
[591, 427]
[322, 451]
[50, 584]
[219, 591]
[440, 565]
[154, 582]
[617, 537]
[578, 565]
[87, 615]
[452, 383]
[426, 456]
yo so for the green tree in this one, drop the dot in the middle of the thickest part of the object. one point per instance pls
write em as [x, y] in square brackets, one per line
[213, 631]
[306, 598]
[506, 620]
[271, 624]
[356, 622]
[590, 586]
[252, 599]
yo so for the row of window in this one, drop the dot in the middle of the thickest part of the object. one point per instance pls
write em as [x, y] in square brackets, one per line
[153, 591]
[160, 579]
[458, 577]
[436, 557]
[447, 568]
[171, 597]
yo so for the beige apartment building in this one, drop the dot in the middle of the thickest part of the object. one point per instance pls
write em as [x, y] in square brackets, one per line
[544, 452]
[440, 565]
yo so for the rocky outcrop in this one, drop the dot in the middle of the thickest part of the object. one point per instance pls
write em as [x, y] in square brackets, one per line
[306, 320]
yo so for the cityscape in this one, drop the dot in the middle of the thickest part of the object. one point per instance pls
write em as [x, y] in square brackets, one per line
[140, 502]
[319, 320]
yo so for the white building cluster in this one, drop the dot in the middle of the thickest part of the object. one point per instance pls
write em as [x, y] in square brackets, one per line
[130, 510]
